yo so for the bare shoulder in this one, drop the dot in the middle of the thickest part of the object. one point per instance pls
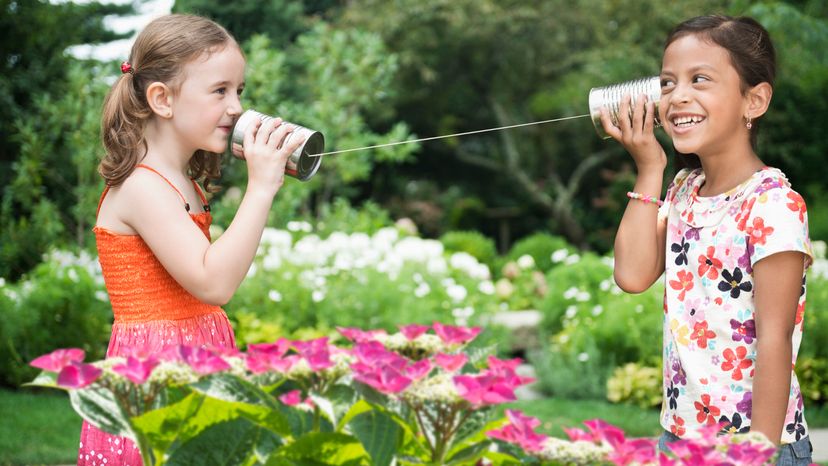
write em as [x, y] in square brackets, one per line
[139, 199]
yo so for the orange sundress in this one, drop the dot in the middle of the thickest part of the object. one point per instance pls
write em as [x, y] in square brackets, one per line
[152, 311]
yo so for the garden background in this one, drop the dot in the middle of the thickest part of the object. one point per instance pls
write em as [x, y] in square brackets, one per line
[463, 231]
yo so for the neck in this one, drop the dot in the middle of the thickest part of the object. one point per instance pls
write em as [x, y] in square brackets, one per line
[164, 150]
[725, 171]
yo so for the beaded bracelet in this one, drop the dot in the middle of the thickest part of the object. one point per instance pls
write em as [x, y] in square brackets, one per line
[643, 198]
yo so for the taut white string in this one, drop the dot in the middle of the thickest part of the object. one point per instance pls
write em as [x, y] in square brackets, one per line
[409, 141]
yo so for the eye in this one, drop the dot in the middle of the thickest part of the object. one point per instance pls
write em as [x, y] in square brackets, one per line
[667, 84]
[239, 92]
[700, 78]
[221, 90]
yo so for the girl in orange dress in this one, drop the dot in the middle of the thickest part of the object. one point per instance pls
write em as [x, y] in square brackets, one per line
[165, 122]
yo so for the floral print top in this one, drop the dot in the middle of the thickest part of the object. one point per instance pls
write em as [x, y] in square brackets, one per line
[709, 316]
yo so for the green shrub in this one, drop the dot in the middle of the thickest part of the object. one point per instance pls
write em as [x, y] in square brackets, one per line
[479, 246]
[59, 304]
[571, 373]
[635, 384]
[585, 312]
[308, 286]
[541, 246]
[815, 319]
[812, 374]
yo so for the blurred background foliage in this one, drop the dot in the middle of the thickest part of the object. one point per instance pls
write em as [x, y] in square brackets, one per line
[536, 206]
[371, 71]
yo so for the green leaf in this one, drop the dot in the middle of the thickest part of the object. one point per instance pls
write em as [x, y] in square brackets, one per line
[162, 426]
[379, 433]
[469, 454]
[357, 408]
[476, 438]
[225, 443]
[327, 448]
[44, 379]
[228, 387]
[98, 406]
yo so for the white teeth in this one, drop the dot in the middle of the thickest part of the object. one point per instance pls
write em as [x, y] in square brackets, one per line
[687, 120]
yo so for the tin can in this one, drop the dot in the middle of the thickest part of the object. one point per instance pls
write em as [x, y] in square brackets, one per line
[610, 97]
[303, 163]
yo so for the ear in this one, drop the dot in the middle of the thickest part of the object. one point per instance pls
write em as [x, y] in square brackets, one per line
[160, 99]
[758, 99]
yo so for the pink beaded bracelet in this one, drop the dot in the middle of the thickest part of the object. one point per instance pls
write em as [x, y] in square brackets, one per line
[643, 198]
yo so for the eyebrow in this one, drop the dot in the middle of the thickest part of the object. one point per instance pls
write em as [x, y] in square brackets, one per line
[691, 70]
[225, 83]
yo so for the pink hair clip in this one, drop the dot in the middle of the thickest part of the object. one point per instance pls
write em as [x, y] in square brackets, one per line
[126, 68]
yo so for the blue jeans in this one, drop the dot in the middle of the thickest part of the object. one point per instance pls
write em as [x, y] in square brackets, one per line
[790, 454]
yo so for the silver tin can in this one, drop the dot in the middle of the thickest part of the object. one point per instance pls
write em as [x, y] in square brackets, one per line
[610, 97]
[303, 162]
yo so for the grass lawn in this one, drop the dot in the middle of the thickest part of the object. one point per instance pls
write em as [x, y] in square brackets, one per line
[40, 427]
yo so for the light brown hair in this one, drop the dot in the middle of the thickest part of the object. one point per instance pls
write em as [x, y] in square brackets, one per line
[158, 55]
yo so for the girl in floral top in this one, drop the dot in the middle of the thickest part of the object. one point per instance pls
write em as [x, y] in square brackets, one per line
[731, 239]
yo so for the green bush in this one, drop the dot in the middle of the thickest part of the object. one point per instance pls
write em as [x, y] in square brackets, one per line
[585, 312]
[541, 246]
[59, 304]
[812, 374]
[479, 246]
[572, 373]
[635, 384]
[303, 285]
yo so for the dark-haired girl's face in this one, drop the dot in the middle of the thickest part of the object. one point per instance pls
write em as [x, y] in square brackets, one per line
[702, 105]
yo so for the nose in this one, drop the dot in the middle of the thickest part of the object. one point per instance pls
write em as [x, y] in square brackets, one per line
[680, 94]
[234, 109]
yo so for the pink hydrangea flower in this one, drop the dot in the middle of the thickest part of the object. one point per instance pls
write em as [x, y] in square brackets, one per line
[78, 375]
[520, 431]
[385, 379]
[484, 389]
[455, 335]
[358, 335]
[450, 362]
[411, 332]
[200, 359]
[58, 359]
[317, 352]
[418, 370]
[291, 398]
[135, 369]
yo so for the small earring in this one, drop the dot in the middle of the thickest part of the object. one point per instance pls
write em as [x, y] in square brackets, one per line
[748, 125]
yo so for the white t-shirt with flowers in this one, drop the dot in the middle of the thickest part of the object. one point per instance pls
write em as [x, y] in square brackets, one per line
[709, 321]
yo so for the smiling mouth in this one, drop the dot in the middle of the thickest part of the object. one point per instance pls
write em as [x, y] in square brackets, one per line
[687, 121]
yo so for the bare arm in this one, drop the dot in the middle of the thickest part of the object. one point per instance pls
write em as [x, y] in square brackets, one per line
[211, 272]
[640, 240]
[778, 281]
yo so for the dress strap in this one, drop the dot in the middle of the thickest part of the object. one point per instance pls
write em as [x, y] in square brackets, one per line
[200, 192]
[183, 199]
[100, 201]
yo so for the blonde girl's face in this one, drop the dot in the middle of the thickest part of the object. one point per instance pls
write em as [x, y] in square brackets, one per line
[207, 104]
[702, 106]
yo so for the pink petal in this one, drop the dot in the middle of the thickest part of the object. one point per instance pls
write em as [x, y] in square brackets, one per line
[455, 335]
[419, 369]
[357, 335]
[277, 349]
[291, 398]
[413, 331]
[451, 362]
[78, 375]
[136, 370]
[58, 359]
[577, 434]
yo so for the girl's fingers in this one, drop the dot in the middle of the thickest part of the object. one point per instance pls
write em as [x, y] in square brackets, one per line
[250, 137]
[649, 117]
[266, 129]
[638, 115]
[276, 138]
[610, 128]
[624, 115]
[294, 143]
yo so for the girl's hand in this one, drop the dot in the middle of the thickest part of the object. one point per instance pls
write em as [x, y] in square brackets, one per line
[266, 154]
[636, 133]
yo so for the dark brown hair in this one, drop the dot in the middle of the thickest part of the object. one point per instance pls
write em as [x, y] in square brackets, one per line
[749, 46]
[158, 55]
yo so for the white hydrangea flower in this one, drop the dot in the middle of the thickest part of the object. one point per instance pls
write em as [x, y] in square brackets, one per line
[486, 287]
[571, 312]
[571, 292]
[422, 290]
[437, 389]
[457, 293]
[274, 296]
[573, 259]
[574, 453]
[597, 310]
[559, 255]
[526, 261]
